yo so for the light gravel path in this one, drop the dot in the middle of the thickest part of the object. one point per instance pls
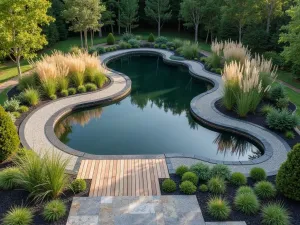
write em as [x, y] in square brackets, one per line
[202, 107]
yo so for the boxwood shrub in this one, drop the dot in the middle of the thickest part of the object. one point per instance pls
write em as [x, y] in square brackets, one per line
[282, 120]
[190, 176]
[222, 171]
[181, 170]
[110, 39]
[9, 139]
[187, 187]
[238, 179]
[168, 186]
[258, 174]
[202, 171]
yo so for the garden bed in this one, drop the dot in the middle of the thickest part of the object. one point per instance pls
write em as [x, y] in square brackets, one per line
[202, 197]
[259, 119]
[18, 197]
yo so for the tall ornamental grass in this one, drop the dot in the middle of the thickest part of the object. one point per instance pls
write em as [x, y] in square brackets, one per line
[43, 176]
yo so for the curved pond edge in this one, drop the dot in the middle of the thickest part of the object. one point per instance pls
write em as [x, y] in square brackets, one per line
[196, 69]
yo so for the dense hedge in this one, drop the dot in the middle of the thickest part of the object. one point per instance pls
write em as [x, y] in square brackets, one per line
[9, 139]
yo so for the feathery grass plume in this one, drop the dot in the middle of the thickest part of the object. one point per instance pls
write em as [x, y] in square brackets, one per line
[217, 47]
[234, 51]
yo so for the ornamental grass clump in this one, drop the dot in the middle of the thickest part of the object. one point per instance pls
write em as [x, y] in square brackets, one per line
[54, 210]
[265, 190]
[258, 174]
[275, 214]
[202, 171]
[282, 120]
[244, 190]
[218, 208]
[18, 216]
[8, 178]
[221, 171]
[30, 96]
[246, 203]
[238, 179]
[216, 185]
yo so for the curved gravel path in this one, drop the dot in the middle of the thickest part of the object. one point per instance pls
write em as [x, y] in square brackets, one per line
[32, 131]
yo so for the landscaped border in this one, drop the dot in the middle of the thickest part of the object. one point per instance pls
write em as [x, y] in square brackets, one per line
[201, 108]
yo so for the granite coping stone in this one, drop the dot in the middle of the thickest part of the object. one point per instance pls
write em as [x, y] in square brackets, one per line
[202, 108]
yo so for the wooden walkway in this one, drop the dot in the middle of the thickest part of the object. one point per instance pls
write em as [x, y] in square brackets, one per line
[128, 177]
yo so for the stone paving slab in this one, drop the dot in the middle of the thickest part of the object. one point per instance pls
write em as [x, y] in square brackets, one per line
[227, 223]
[143, 210]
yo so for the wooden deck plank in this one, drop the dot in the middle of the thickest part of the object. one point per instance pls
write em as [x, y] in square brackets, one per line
[148, 177]
[118, 178]
[165, 168]
[152, 178]
[92, 169]
[137, 181]
[158, 168]
[129, 190]
[80, 170]
[122, 178]
[102, 178]
[113, 181]
[142, 191]
[146, 192]
[133, 193]
[109, 178]
[162, 168]
[92, 189]
[125, 177]
[88, 169]
[84, 169]
[98, 177]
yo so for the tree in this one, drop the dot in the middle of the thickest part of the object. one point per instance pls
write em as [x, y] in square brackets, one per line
[129, 11]
[271, 9]
[291, 36]
[84, 16]
[241, 13]
[191, 12]
[108, 16]
[20, 28]
[159, 10]
[57, 8]
[211, 17]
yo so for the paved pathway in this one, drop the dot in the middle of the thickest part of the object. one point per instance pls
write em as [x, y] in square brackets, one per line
[129, 177]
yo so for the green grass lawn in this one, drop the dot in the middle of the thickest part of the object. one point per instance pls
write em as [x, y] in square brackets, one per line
[294, 97]
[9, 69]
[287, 77]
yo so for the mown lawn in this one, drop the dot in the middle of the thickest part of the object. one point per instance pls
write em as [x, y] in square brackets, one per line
[9, 69]
[3, 95]
[288, 78]
[294, 97]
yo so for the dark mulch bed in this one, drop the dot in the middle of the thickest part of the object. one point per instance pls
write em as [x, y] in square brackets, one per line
[203, 197]
[259, 119]
[19, 197]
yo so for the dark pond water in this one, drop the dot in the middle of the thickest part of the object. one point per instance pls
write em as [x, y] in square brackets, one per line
[153, 119]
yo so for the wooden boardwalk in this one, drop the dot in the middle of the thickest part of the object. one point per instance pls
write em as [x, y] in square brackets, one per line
[128, 177]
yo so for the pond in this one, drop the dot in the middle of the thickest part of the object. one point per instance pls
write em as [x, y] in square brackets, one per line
[154, 119]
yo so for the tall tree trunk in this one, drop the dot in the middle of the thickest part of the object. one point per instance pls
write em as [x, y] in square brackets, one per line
[92, 41]
[85, 39]
[119, 18]
[81, 39]
[268, 24]
[207, 35]
[158, 28]
[179, 25]
[240, 33]
[112, 28]
[19, 66]
[196, 32]
[100, 32]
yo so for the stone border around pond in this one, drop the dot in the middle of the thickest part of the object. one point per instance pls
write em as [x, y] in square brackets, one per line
[202, 107]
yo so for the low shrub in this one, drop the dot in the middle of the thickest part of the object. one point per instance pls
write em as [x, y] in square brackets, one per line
[138, 37]
[23, 109]
[53, 97]
[9, 139]
[296, 71]
[187, 187]
[266, 109]
[163, 46]
[156, 46]
[181, 170]
[190, 51]
[27, 81]
[11, 105]
[18, 216]
[203, 188]
[244, 190]
[288, 176]
[77, 78]
[258, 174]
[78, 185]
[134, 43]
[246, 203]
[238, 179]
[64, 93]
[99, 79]
[282, 103]
[110, 39]
[202, 170]
[161, 40]
[8, 178]
[282, 120]
[89, 74]
[72, 91]
[275, 214]
[216, 185]
[264, 189]
[81, 89]
[289, 135]
[221, 171]
[62, 83]
[127, 36]
[190, 176]
[277, 92]
[123, 44]
[30, 96]
[54, 210]
[90, 87]
[75, 50]
[16, 114]
[170, 45]
[168, 186]
[277, 59]
[151, 38]
[12, 117]
[218, 208]
[100, 50]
